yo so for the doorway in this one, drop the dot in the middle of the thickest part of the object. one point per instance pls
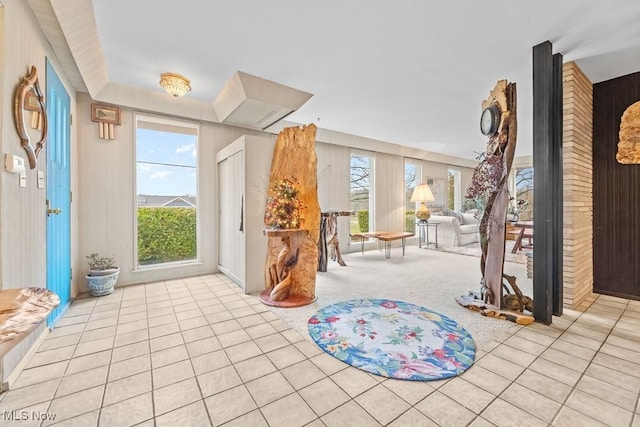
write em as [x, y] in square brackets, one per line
[58, 193]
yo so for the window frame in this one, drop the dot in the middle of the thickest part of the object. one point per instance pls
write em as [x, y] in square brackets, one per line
[457, 187]
[371, 205]
[417, 181]
[167, 122]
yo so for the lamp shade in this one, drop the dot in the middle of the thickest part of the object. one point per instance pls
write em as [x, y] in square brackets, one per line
[422, 193]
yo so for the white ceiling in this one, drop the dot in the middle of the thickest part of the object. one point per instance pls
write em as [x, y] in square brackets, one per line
[407, 72]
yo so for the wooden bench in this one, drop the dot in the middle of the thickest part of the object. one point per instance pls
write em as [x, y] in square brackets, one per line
[390, 237]
[366, 236]
[21, 311]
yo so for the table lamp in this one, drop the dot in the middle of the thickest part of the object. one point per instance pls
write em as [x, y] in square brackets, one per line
[422, 193]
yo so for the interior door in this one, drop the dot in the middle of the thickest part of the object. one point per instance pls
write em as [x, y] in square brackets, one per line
[232, 204]
[58, 193]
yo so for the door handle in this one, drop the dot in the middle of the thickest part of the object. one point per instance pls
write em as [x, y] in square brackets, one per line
[50, 211]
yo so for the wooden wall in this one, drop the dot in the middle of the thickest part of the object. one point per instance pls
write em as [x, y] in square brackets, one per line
[616, 192]
[578, 182]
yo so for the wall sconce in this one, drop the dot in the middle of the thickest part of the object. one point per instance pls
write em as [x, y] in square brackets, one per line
[107, 116]
[175, 84]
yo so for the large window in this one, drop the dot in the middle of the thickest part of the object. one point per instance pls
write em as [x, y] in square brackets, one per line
[454, 191]
[523, 203]
[412, 177]
[167, 191]
[361, 192]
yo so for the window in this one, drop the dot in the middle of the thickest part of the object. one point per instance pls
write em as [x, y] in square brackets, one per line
[361, 192]
[412, 177]
[166, 187]
[524, 194]
[454, 195]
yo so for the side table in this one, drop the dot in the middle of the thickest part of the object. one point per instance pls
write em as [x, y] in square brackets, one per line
[423, 233]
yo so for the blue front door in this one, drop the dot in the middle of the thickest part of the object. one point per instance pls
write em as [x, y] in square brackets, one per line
[58, 193]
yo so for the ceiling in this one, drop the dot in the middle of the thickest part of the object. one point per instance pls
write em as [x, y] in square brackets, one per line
[407, 72]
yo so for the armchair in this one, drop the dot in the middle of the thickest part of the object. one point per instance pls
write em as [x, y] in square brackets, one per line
[457, 230]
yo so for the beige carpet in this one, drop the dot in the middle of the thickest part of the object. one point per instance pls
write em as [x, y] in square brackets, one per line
[473, 249]
[427, 277]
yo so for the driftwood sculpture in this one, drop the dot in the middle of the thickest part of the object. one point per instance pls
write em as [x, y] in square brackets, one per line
[21, 310]
[629, 143]
[328, 241]
[490, 181]
[499, 155]
[292, 251]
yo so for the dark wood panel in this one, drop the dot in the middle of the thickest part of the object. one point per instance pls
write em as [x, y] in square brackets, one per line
[544, 162]
[616, 193]
[556, 187]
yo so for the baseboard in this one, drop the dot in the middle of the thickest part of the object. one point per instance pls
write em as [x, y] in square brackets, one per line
[231, 276]
[13, 376]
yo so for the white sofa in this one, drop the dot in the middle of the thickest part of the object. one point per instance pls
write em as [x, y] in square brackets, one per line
[454, 232]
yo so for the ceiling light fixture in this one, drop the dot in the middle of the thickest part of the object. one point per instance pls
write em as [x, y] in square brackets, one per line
[175, 84]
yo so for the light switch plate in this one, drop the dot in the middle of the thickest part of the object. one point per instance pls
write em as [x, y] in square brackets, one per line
[40, 179]
[22, 180]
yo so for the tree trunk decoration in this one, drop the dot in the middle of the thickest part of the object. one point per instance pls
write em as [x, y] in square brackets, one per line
[490, 180]
[328, 241]
[292, 254]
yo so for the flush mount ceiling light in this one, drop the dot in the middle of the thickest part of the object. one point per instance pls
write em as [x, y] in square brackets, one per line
[174, 84]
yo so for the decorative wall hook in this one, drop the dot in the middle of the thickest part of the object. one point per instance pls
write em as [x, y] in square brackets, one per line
[107, 117]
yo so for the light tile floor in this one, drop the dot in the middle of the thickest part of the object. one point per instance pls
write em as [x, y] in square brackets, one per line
[197, 352]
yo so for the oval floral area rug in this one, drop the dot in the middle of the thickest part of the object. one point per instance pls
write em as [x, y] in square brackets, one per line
[393, 339]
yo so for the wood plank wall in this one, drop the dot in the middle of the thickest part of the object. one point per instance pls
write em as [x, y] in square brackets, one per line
[616, 192]
[578, 183]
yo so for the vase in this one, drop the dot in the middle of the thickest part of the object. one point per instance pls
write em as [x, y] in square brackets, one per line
[102, 282]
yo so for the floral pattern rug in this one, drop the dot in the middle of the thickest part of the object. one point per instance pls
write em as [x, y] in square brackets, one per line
[393, 339]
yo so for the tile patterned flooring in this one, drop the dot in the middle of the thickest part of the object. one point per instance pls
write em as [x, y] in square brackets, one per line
[198, 352]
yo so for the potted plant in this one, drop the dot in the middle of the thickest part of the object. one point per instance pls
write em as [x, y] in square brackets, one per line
[103, 274]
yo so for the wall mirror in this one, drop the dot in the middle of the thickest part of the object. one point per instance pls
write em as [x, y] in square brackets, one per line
[30, 116]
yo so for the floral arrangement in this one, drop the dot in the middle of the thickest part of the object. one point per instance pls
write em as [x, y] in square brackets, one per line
[283, 205]
[486, 177]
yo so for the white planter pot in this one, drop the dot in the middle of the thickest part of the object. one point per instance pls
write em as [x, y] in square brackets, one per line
[102, 282]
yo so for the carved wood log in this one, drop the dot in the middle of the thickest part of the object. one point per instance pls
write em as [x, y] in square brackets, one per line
[473, 303]
[294, 159]
[492, 224]
[629, 143]
[322, 245]
[21, 310]
[332, 238]
[329, 239]
[519, 318]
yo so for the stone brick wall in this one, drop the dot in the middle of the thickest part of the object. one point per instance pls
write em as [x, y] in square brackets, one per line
[578, 185]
